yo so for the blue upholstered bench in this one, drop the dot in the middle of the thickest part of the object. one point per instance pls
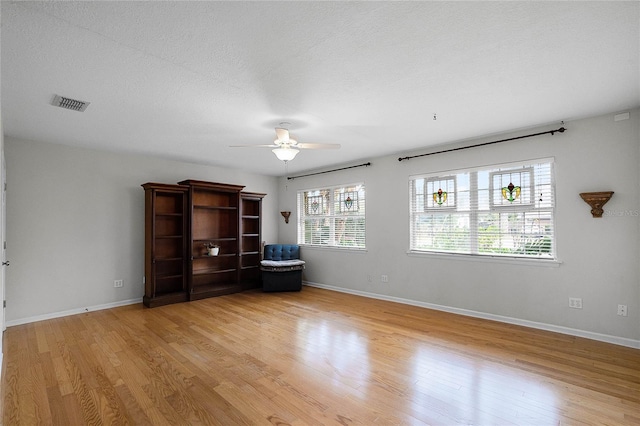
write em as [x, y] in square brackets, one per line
[282, 268]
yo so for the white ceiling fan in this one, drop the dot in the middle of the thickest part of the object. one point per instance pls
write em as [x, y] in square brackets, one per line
[285, 147]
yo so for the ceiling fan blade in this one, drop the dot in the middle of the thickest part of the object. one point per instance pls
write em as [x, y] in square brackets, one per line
[253, 146]
[318, 145]
[282, 134]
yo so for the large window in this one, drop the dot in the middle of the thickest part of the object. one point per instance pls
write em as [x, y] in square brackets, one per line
[505, 210]
[333, 216]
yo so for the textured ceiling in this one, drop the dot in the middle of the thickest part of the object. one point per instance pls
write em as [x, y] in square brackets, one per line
[185, 80]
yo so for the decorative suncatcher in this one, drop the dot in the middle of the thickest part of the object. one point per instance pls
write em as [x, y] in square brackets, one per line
[512, 187]
[442, 190]
[315, 205]
[511, 192]
[348, 201]
[440, 197]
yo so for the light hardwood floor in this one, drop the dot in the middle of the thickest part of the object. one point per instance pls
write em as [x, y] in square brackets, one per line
[314, 357]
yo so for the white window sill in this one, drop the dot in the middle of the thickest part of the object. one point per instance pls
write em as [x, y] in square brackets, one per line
[549, 263]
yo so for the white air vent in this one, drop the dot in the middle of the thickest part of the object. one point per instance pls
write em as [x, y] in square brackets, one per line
[68, 103]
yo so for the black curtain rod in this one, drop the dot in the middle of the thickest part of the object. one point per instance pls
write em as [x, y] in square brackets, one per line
[329, 171]
[560, 130]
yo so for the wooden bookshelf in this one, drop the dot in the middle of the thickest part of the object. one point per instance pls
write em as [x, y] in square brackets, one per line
[250, 238]
[165, 244]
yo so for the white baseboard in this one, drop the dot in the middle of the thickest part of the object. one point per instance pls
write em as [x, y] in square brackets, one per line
[52, 315]
[622, 341]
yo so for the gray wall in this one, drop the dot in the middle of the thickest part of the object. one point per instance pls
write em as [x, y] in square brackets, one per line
[599, 257]
[75, 222]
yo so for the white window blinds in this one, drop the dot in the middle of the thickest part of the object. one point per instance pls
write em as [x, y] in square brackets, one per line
[333, 216]
[505, 210]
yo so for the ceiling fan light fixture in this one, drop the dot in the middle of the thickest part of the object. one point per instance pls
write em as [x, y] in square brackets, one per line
[283, 142]
[285, 154]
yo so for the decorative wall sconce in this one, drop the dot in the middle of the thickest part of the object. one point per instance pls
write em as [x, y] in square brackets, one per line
[286, 216]
[596, 200]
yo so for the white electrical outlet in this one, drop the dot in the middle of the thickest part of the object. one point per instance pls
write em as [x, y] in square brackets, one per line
[384, 278]
[575, 302]
[118, 283]
[369, 279]
[622, 310]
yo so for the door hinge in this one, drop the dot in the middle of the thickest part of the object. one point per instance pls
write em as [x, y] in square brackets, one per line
[4, 303]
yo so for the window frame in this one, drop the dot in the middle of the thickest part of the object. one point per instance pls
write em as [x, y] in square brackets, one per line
[475, 211]
[332, 215]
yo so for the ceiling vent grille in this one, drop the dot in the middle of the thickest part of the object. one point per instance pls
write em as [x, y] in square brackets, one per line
[68, 103]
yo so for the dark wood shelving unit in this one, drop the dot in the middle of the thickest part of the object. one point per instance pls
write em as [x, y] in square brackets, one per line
[165, 244]
[215, 209]
[180, 220]
[250, 239]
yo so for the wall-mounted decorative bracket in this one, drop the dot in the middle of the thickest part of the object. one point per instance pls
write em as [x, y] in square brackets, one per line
[286, 216]
[596, 200]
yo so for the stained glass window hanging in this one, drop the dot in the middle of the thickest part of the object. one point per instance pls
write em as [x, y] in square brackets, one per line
[315, 205]
[348, 202]
[512, 188]
[440, 192]
[440, 196]
[511, 192]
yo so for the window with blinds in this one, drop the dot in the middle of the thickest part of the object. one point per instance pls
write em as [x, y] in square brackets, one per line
[505, 210]
[333, 216]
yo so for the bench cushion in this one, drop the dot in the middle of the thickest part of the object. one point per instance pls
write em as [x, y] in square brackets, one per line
[282, 265]
[281, 251]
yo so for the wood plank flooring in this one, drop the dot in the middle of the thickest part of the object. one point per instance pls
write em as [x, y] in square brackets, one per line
[314, 357]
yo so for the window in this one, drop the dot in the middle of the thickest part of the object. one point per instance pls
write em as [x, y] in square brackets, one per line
[333, 217]
[506, 210]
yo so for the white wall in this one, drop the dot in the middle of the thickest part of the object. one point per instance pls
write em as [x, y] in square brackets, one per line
[75, 221]
[600, 257]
